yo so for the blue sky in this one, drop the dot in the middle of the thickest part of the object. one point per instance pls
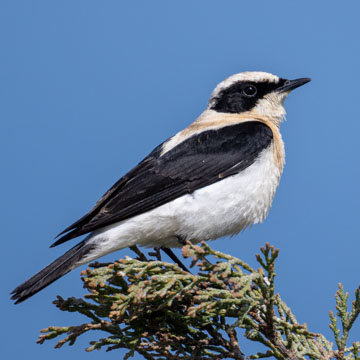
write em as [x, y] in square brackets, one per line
[88, 88]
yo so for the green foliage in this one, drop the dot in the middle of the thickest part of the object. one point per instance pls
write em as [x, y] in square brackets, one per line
[160, 311]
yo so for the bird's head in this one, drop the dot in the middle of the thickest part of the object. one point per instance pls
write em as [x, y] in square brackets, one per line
[258, 94]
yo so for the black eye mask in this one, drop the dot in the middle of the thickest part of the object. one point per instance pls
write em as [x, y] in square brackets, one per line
[243, 95]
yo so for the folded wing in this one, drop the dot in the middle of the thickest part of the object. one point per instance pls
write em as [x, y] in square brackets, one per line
[198, 161]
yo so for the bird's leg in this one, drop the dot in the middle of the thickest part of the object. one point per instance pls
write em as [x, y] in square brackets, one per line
[156, 253]
[140, 255]
[173, 257]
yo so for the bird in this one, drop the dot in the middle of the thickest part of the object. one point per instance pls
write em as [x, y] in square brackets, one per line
[213, 179]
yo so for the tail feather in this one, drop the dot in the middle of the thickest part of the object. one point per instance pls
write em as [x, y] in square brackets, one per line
[52, 272]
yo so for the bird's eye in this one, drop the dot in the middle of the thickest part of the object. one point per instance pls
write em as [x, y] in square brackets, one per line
[249, 91]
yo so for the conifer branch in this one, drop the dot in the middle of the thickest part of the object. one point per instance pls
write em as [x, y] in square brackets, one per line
[158, 310]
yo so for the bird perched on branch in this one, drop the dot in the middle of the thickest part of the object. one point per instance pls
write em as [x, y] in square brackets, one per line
[212, 179]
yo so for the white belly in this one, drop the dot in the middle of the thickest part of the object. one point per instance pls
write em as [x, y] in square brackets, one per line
[223, 208]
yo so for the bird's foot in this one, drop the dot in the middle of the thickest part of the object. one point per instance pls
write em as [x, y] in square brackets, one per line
[156, 253]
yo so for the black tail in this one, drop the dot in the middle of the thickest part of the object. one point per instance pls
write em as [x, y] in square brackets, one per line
[52, 272]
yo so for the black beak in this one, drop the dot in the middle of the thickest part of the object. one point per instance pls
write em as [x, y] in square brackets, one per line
[293, 84]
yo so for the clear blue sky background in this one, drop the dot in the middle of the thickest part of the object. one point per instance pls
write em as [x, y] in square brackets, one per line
[88, 88]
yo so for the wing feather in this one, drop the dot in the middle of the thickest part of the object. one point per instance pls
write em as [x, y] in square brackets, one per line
[198, 161]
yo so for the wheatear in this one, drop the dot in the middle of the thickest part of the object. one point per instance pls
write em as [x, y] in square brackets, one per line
[212, 179]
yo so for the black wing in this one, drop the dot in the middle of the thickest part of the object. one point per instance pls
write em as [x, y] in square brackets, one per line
[198, 161]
